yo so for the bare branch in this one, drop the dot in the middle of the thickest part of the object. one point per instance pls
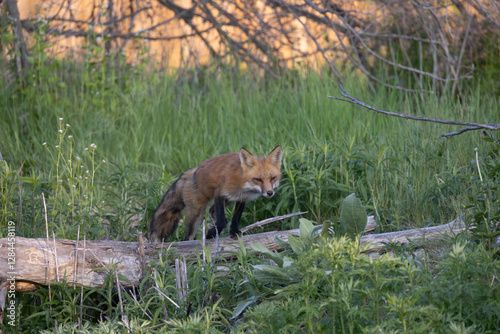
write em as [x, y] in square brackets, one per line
[472, 126]
[455, 133]
[270, 220]
[370, 36]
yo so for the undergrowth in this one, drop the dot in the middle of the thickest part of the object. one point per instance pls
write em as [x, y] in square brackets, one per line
[94, 149]
[323, 285]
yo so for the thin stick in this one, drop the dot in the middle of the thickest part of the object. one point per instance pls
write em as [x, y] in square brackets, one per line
[168, 298]
[98, 259]
[184, 279]
[76, 257]
[55, 256]
[48, 245]
[124, 316]
[157, 286]
[270, 220]
[140, 242]
[80, 318]
[20, 211]
[134, 296]
[477, 164]
[352, 100]
[216, 248]
[204, 239]
[455, 133]
[46, 219]
[178, 280]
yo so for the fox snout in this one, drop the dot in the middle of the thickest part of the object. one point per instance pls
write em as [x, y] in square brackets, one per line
[268, 194]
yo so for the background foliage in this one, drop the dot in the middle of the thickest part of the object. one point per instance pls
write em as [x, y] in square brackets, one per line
[102, 141]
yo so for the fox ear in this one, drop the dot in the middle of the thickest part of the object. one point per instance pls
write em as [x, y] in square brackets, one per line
[276, 155]
[246, 158]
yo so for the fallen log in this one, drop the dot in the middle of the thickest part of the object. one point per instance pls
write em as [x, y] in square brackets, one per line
[88, 263]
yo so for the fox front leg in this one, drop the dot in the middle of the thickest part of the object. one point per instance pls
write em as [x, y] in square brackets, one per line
[217, 212]
[235, 222]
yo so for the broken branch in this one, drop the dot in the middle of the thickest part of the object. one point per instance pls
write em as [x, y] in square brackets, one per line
[471, 126]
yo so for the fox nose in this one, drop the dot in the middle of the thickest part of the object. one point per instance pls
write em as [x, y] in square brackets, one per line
[270, 193]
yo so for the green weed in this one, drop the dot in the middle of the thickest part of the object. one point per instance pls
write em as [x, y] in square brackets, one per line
[150, 126]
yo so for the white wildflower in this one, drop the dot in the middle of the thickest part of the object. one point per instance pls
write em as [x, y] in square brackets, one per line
[61, 119]
[44, 143]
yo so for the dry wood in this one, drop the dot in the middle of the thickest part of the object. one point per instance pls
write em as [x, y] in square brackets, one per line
[376, 241]
[270, 220]
[21, 52]
[472, 126]
[280, 34]
[35, 258]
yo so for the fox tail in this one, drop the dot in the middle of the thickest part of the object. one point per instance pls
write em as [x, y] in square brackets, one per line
[167, 215]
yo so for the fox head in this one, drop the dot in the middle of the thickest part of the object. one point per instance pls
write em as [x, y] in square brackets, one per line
[262, 173]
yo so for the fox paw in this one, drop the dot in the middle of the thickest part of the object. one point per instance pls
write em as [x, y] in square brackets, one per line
[212, 233]
[236, 234]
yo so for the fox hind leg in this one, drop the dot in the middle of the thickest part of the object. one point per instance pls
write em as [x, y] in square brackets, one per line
[193, 221]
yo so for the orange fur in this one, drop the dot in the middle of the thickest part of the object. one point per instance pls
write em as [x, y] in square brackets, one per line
[227, 178]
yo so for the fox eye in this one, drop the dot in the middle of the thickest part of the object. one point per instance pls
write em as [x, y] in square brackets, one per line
[257, 180]
[273, 178]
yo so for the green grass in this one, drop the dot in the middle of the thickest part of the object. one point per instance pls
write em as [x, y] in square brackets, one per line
[133, 131]
[160, 124]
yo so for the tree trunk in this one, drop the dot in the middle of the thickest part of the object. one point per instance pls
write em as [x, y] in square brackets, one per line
[88, 262]
[21, 53]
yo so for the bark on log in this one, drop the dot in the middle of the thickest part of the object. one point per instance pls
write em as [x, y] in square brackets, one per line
[89, 262]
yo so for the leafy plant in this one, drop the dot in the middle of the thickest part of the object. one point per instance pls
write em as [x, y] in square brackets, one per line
[483, 215]
[352, 221]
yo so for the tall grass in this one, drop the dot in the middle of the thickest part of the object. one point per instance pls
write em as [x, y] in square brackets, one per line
[133, 131]
[160, 123]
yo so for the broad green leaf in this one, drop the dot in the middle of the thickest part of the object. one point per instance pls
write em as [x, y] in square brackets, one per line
[265, 251]
[353, 215]
[271, 274]
[243, 305]
[306, 227]
[296, 244]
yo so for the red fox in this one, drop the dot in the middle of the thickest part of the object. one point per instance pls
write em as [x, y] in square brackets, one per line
[227, 178]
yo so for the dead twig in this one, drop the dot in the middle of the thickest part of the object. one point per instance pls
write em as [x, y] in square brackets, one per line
[270, 220]
[471, 126]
